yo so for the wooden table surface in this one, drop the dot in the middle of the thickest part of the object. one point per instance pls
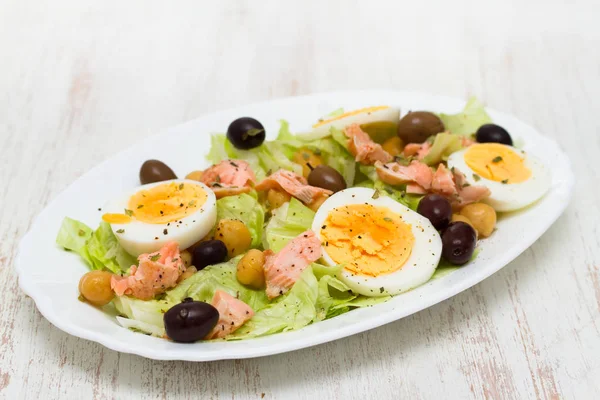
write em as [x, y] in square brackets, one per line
[82, 80]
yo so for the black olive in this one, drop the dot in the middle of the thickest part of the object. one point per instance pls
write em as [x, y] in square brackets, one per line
[155, 171]
[190, 321]
[209, 253]
[437, 209]
[417, 126]
[325, 177]
[458, 242]
[492, 133]
[246, 133]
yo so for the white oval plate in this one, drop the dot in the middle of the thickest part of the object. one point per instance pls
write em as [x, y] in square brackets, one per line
[50, 275]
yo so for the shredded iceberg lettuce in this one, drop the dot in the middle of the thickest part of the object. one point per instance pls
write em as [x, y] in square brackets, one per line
[469, 120]
[287, 222]
[99, 249]
[443, 145]
[246, 208]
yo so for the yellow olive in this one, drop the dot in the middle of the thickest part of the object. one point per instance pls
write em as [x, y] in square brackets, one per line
[186, 257]
[393, 146]
[195, 175]
[191, 270]
[95, 288]
[482, 217]
[276, 198]
[250, 270]
[462, 218]
[235, 235]
[317, 203]
[304, 157]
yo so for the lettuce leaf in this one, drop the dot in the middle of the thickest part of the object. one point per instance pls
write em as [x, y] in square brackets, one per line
[469, 120]
[202, 286]
[100, 249]
[244, 207]
[293, 311]
[399, 194]
[287, 222]
[443, 145]
[142, 315]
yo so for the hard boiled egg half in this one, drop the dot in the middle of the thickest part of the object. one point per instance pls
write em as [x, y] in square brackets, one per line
[145, 219]
[377, 121]
[516, 179]
[385, 248]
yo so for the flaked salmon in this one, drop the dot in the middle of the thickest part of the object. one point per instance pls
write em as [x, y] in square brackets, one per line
[363, 148]
[283, 269]
[233, 313]
[155, 273]
[294, 184]
[397, 174]
[417, 150]
[229, 178]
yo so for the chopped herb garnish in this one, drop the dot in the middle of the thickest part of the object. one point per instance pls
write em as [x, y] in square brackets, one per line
[253, 132]
[381, 289]
[140, 206]
[233, 164]
[216, 184]
[505, 181]
[306, 156]
[192, 203]
[128, 212]
[155, 257]
[375, 194]
[120, 230]
[180, 186]
[497, 159]
[388, 219]
[476, 177]
[218, 178]
[81, 232]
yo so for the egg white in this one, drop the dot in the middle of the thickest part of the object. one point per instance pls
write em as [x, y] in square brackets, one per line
[419, 267]
[138, 237]
[390, 114]
[509, 196]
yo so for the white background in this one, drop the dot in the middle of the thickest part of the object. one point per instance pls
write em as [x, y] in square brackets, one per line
[82, 80]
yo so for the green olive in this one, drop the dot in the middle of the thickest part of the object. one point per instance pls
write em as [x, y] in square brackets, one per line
[307, 158]
[276, 198]
[95, 288]
[250, 270]
[417, 126]
[235, 235]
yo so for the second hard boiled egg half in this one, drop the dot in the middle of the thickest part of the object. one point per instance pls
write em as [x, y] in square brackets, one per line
[385, 248]
[380, 122]
[179, 210]
[515, 178]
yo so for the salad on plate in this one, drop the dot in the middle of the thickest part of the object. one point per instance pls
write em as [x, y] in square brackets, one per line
[276, 235]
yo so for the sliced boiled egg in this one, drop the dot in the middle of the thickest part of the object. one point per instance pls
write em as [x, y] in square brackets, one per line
[145, 219]
[516, 179]
[372, 119]
[385, 248]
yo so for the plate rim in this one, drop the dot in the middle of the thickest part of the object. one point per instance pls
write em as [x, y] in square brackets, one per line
[27, 285]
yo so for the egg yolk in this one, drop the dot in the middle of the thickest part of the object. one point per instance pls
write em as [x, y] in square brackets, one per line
[161, 204]
[350, 113]
[497, 162]
[368, 240]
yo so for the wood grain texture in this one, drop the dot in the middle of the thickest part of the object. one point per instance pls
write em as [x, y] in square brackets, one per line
[80, 80]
